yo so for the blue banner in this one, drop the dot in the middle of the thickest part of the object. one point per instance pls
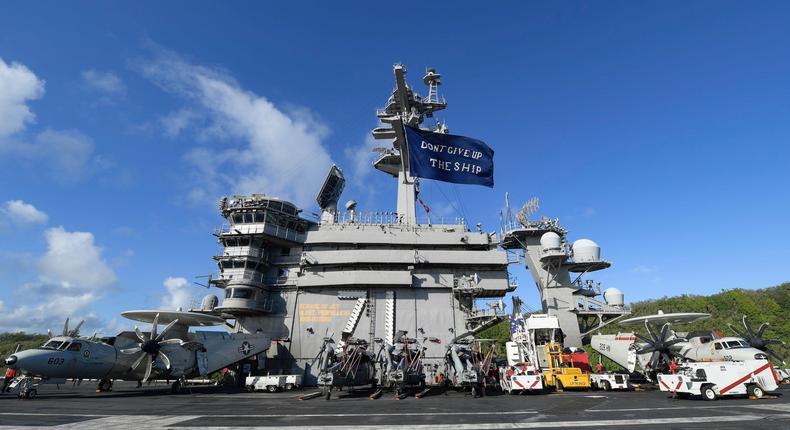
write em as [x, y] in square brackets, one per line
[449, 158]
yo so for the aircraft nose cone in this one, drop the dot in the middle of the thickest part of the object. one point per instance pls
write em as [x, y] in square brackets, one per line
[11, 360]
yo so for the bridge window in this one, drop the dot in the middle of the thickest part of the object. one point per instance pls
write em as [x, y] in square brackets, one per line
[242, 293]
[717, 345]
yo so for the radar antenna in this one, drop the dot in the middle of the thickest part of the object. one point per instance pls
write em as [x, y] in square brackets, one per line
[529, 209]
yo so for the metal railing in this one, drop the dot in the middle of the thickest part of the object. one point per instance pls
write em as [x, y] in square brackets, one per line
[393, 218]
[269, 229]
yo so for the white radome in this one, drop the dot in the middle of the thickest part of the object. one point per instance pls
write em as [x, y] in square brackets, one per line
[614, 297]
[585, 251]
[550, 241]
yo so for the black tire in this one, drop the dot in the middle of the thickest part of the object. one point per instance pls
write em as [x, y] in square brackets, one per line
[755, 391]
[560, 387]
[32, 393]
[271, 388]
[708, 393]
[607, 386]
[289, 386]
[105, 385]
[175, 388]
[474, 390]
[328, 393]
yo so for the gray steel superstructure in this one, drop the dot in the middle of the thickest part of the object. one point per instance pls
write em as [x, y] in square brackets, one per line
[358, 275]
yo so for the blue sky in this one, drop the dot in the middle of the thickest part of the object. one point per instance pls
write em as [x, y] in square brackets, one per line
[660, 130]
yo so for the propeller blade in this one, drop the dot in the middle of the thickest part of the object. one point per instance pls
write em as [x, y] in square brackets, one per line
[167, 327]
[738, 332]
[173, 341]
[153, 326]
[762, 328]
[192, 346]
[774, 355]
[66, 327]
[748, 326]
[132, 350]
[646, 349]
[148, 368]
[76, 331]
[654, 359]
[767, 342]
[664, 331]
[643, 338]
[137, 362]
[650, 332]
[140, 334]
[165, 360]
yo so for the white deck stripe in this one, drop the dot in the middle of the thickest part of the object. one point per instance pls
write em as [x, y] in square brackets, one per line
[154, 422]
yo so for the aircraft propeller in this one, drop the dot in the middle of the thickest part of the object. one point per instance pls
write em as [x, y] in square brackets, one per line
[659, 344]
[756, 339]
[66, 332]
[150, 347]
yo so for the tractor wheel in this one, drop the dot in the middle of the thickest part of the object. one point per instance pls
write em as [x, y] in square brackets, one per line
[474, 391]
[607, 386]
[271, 388]
[32, 393]
[560, 387]
[289, 386]
[175, 387]
[327, 393]
[755, 391]
[708, 393]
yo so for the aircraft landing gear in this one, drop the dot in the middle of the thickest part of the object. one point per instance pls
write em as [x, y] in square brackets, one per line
[176, 387]
[104, 385]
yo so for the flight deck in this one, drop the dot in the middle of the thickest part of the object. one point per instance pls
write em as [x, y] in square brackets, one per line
[214, 407]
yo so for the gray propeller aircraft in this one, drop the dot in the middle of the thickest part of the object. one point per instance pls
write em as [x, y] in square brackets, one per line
[173, 354]
[654, 352]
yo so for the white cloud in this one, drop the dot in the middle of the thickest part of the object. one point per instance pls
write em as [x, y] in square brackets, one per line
[107, 83]
[74, 262]
[266, 149]
[362, 158]
[22, 214]
[174, 123]
[68, 153]
[72, 275]
[18, 85]
[178, 293]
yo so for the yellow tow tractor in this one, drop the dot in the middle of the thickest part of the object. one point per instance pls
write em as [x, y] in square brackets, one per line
[560, 374]
[534, 341]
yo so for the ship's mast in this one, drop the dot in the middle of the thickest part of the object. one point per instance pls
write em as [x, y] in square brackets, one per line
[404, 107]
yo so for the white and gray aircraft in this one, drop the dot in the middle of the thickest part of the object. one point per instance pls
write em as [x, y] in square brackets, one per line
[654, 352]
[173, 353]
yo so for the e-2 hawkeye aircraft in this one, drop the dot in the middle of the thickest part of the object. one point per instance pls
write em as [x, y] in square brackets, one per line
[173, 353]
[654, 352]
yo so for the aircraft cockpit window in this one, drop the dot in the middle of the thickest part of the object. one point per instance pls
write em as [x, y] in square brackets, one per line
[718, 345]
[63, 346]
[228, 293]
[52, 344]
[75, 346]
[734, 344]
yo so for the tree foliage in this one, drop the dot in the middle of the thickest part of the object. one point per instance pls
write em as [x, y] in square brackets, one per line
[771, 305]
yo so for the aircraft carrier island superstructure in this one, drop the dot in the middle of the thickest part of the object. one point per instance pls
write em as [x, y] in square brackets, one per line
[351, 274]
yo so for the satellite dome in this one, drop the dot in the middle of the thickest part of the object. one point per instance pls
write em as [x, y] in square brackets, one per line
[550, 241]
[613, 297]
[585, 251]
[351, 205]
[209, 303]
